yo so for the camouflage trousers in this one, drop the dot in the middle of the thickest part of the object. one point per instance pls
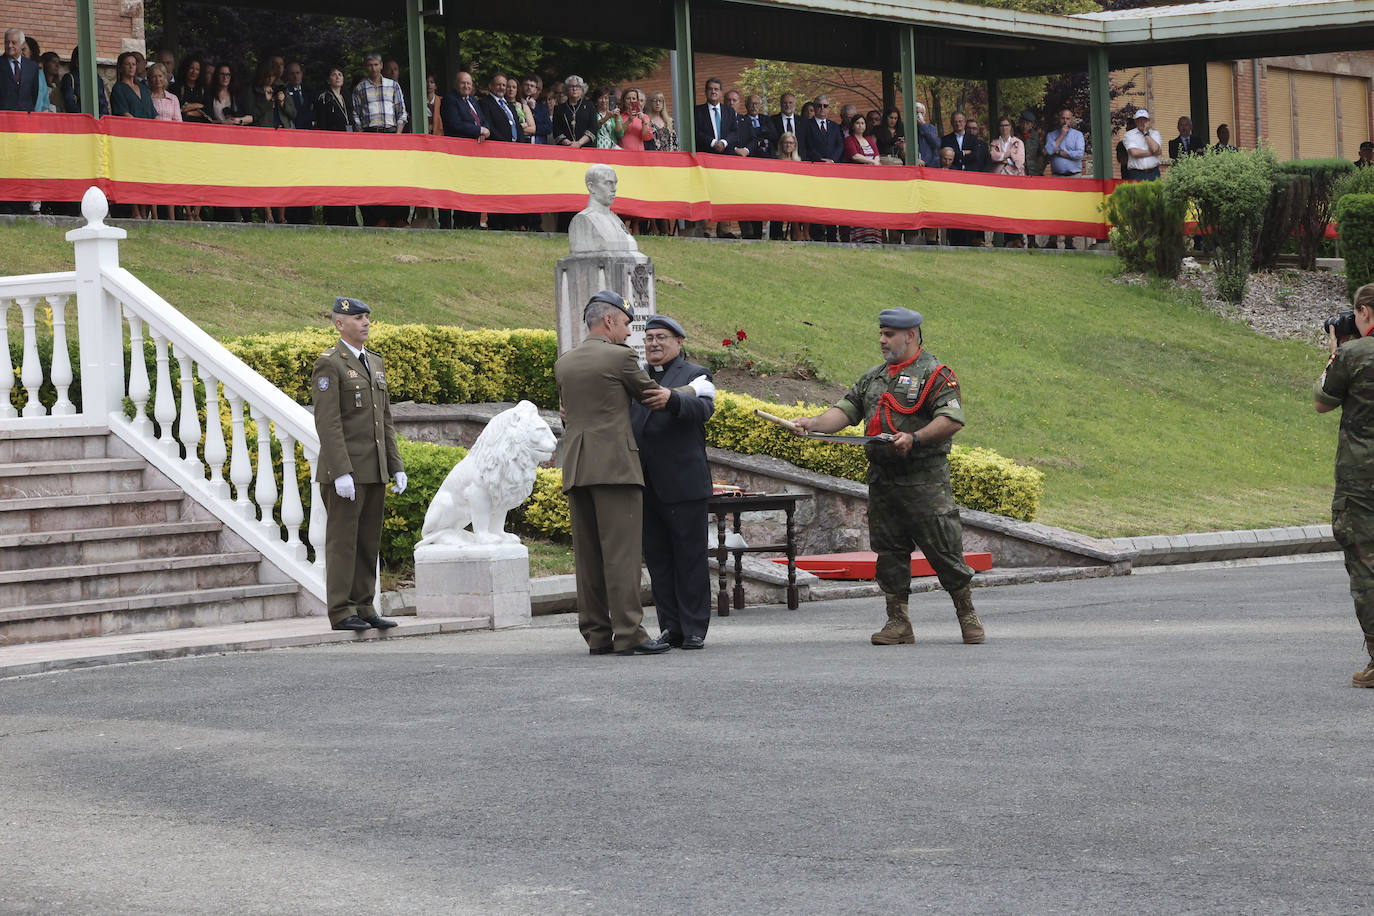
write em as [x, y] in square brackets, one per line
[923, 515]
[1352, 525]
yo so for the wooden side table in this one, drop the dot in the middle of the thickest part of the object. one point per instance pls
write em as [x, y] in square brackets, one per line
[722, 507]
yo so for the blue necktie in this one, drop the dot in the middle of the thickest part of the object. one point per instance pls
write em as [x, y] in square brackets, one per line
[715, 112]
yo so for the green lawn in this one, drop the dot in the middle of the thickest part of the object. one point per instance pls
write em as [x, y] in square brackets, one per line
[1146, 413]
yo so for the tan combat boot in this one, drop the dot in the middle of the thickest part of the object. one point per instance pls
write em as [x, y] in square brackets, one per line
[897, 630]
[1365, 678]
[969, 624]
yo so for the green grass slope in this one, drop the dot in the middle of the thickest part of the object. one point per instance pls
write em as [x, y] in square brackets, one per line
[1146, 413]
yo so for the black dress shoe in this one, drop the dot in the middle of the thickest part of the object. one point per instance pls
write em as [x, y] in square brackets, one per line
[352, 623]
[600, 650]
[671, 638]
[380, 623]
[648, 647]
[693, 642]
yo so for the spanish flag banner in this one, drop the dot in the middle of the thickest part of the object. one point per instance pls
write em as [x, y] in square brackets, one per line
[58, 156]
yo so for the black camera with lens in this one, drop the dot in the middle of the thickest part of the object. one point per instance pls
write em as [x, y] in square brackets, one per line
[1343, 324]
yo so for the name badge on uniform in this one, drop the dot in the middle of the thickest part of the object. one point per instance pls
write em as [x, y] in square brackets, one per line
[357, 399]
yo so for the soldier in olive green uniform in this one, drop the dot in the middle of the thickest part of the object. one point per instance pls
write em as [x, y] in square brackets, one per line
[358, 455]
[910, 503]
[1348, 383]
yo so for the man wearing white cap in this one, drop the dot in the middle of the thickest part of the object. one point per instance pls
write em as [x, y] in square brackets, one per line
[1143, 147]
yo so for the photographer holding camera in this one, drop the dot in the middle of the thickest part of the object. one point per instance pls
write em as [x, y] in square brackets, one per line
[1348, 383]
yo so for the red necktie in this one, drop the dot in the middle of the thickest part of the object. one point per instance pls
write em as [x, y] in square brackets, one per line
[475, 116]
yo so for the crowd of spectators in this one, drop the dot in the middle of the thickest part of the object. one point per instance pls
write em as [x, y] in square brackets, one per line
[521, 109]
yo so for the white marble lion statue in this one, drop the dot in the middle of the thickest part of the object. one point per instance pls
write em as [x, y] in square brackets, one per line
[496, 476]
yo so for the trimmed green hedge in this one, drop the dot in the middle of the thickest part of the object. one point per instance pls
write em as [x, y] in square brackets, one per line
[1147, 228]
[430, 365]
[1355, 217]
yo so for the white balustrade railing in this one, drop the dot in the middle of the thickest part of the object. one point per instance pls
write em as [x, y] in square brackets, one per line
[109, 298]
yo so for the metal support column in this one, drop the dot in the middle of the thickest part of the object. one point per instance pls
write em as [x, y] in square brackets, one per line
[85, 40]
[906, 43]
[684, 77]
[415, 40]
[1100, 112]
[1197, 98]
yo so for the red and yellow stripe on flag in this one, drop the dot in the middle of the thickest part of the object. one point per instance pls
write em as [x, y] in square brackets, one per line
[56, 157]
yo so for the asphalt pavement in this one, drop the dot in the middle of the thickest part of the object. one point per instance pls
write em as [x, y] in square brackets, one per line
[1183, 741]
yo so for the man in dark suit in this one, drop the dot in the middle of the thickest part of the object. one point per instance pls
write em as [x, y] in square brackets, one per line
[965, 146]
[716, 132]
[786, 121]
[358, 455]
[1185, 144]
[496, 111]
[597, 381]
[677, 483]
[823, 141]
[754, 130]
[462, 117]
[21, 79]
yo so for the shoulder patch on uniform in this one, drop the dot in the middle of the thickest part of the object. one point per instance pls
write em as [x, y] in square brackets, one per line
[323, 382]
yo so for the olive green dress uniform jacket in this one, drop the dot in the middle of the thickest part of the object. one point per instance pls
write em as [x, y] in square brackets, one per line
[1348, 383]
[597, 381]
[353, 418]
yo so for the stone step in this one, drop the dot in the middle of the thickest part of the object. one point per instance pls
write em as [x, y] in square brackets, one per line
[73, 547]
[69, 476]
[149, 612]
[40, 657]
[89, 510]
[19, 445]
[59, 584]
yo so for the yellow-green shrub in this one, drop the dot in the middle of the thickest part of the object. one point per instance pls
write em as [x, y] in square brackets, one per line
[430, 365]
[981, 478]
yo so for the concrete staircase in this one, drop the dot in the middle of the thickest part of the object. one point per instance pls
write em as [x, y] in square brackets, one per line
[94, 541]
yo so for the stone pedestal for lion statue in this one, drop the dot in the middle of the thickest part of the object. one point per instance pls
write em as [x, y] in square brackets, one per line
[485, 571]
[603, 256]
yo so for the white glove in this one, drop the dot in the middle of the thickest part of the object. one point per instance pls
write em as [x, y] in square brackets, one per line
[344, 487]
[703, 387]
[401, 481]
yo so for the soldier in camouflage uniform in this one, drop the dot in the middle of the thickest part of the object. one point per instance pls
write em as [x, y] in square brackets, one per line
[910, 503]
[1348, 383]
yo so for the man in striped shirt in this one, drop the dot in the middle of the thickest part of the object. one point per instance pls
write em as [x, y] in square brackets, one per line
[379, 107]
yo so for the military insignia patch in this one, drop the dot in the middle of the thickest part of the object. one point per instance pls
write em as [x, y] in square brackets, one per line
[323, 383]
[954, 403]
[352, 373]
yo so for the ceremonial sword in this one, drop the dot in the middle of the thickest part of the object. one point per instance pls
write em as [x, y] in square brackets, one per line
[796, 430]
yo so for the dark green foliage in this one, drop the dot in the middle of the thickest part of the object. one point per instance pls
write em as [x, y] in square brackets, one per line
[1355, 217]
[1147, 228]
[1319, 176]
[1230, 191]
[1287, 199]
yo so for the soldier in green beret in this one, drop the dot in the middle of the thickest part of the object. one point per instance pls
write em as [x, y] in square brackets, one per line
[1348, 383]
[915, 399]
[358, 455]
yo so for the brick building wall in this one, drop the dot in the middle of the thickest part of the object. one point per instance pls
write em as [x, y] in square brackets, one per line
[118, 25]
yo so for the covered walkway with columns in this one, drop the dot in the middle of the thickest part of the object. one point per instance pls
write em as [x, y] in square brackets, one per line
[906, 37]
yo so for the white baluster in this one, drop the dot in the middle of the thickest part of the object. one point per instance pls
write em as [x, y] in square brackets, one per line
[6, 367]
[215, 452]
[138, 375]
[165, 410]
[32, 374]
[61, 358]
[240, 466]
[318, 516]
[292, 512]
[266, 491]
[188, 428]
